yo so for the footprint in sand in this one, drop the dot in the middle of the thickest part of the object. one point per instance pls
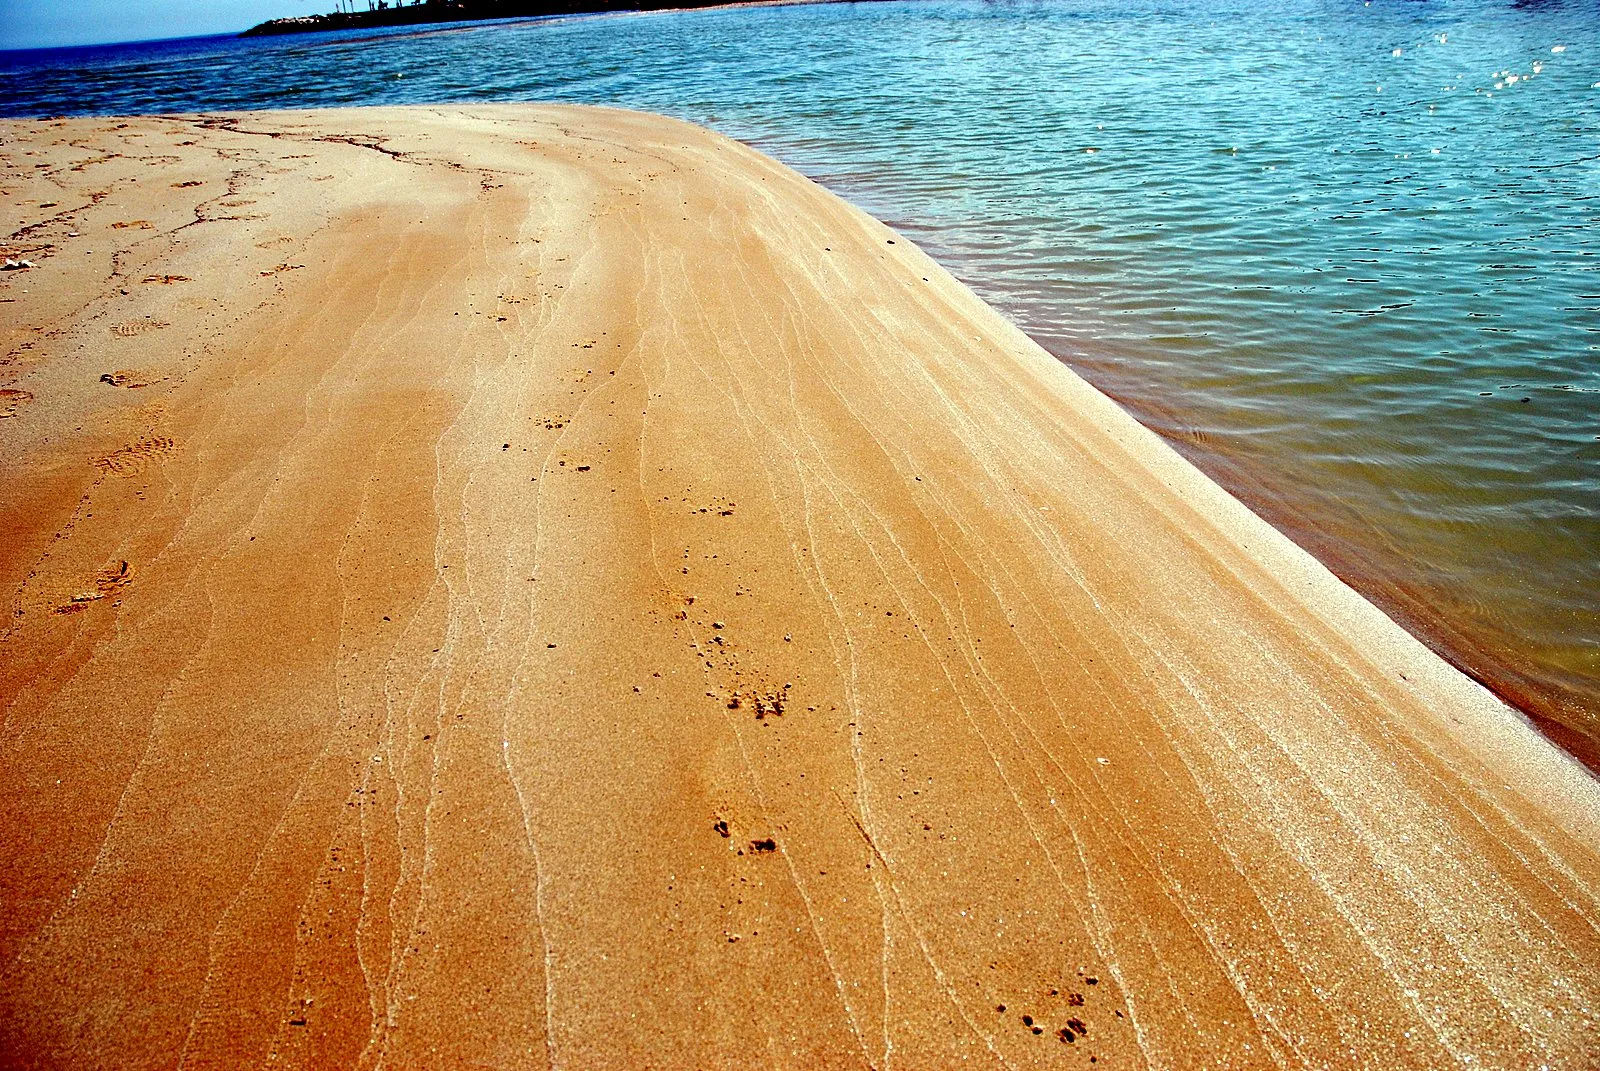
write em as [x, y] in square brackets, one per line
[106, 582]
[130, 328]
[13, 399]
[131, 378]
[133, 459]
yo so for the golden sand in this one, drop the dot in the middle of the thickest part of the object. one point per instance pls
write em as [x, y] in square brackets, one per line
[507, 586]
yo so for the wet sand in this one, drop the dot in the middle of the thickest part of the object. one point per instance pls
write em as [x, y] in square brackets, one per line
[513, 585]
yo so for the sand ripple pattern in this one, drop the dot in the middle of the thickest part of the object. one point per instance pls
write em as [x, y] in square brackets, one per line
[142, 325]
[135, 458]
[621, 606]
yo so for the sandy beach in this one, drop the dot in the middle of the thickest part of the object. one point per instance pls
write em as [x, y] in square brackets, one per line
[509, 586]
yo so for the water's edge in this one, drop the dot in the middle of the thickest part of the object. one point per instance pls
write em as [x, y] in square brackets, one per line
[1553, 708]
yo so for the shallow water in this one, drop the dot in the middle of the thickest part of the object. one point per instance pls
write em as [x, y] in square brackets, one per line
[1342, 255]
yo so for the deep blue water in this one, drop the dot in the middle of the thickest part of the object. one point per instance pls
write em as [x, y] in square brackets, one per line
[1342, 254]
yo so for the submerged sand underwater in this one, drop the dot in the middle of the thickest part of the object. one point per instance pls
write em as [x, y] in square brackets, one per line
[511, 585]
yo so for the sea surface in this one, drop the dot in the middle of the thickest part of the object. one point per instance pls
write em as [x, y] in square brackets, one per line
[1343, 255]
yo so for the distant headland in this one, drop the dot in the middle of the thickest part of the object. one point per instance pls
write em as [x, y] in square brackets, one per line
[418, 12]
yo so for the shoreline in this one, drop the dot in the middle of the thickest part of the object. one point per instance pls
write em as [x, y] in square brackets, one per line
[1556, 708]
[425, 15]
[560, 555]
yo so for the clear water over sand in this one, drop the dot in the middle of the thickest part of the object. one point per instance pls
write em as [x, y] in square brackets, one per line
[1343, 256]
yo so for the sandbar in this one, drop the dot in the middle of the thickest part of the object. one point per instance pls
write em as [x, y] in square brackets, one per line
[513, 586]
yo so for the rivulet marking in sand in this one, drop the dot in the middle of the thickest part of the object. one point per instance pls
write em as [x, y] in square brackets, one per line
[529, 585]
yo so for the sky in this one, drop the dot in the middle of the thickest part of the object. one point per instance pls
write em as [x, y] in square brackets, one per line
[49, 23]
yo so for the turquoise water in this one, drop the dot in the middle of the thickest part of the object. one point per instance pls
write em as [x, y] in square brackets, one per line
[1343, 255]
